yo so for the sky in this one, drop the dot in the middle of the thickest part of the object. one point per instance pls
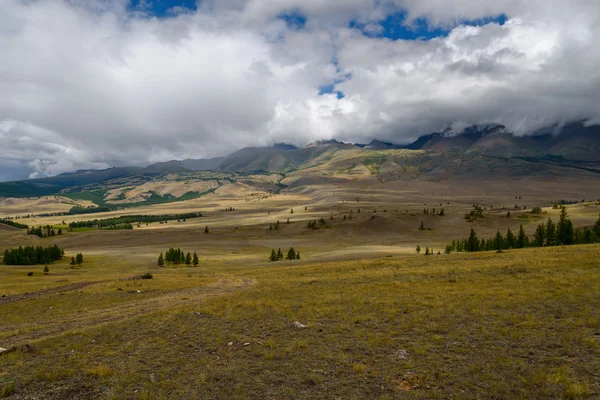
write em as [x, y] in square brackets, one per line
[99, 83]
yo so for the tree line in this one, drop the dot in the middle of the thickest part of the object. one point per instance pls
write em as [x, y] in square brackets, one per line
[546, 234]
[13, 224]
[44, 231]
[177, 256]
[30, 255]
[130, 219]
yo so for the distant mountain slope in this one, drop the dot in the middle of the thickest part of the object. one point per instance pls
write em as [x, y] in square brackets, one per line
[209, 164]
[275, 159]
[576, 145]
[575, 142]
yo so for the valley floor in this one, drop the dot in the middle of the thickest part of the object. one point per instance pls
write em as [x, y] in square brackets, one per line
[361, 315]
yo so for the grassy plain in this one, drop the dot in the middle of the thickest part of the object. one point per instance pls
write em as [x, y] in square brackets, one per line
[382, 321]
[521, 324]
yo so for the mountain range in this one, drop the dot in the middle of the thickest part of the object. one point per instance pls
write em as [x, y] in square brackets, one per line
[574, 144]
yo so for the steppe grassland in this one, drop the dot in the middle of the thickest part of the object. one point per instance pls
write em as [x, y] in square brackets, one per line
[519, 324]
[382, 323]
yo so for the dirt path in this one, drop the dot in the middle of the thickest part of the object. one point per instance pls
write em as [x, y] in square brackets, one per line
[46, 292]
[19, 334]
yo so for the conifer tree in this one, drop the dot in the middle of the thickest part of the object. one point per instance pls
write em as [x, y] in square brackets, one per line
[273, 256]
[291, 255]
[46, 270]
[195, 260]
[596, 228]
[498, 241]
[539, 237]
[511, 241]
[550, 233]
[418, 249]
[422, 227]
[297, 255]
[564, 229]
[279, 254]
[521, 239]
[206, 229]
[188, 259]
[161, 261]
[72, 260]
[472, 242]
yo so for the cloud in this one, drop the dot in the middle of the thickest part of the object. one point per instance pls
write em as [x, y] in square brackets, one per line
[94, 84]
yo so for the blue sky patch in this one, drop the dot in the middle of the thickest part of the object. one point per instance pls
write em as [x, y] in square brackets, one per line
[160, 8]
[394, 27]
[330, 88]
[293, 20]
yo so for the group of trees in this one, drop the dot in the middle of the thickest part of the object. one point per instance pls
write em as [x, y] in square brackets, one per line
[476, 212]
[177, 256]
[45, 231]
[278, 255]
[317, 224]
[30, 255]
[77, 260]
[126, 221]
[546, 234]
[276, 225]
[13, 224]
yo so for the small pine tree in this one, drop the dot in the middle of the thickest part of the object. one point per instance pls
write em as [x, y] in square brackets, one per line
[508, 214]
[422, 227]
[418, 249]
[297, 255]
[273, 256]
[521, 238]
[195, 260]
[540, 235]
[46, 270]
[206, 229]
[161, 261]
[288, 221]
[292, 211]
[550, 233]
[291, 255]
[188, 259]
[72, 260]
[279, 254]
[79, 259]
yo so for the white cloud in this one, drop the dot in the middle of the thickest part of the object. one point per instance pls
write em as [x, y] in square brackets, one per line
[89, 84]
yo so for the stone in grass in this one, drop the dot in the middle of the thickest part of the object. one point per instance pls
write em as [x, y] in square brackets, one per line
[299, 325]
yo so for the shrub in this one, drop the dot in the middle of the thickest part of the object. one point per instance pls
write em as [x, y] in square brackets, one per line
[147, 275]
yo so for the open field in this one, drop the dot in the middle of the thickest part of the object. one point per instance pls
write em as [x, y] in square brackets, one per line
[522, 324]
[383, 321]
